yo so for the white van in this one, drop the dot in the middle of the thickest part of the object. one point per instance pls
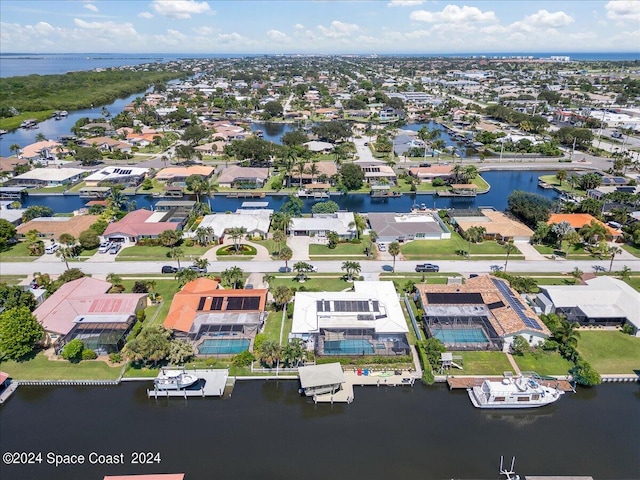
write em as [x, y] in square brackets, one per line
[51, 248]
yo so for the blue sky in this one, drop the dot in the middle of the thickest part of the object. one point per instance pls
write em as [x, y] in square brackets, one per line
[318, 26]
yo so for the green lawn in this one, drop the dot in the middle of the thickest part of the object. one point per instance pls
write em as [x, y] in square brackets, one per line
[555, 280]
[272, 326]
[635, 251]
[12, 279]
[610, 351]
[574, 251]
[312, 284]
[482, 363]
[544, 363]
[417, 277]
[634, 282]
[446, 249]
[565, 187]
[143, 253]
[341, 249]
[41, 368]
[271, 246]
[166, 289]
[17, 253]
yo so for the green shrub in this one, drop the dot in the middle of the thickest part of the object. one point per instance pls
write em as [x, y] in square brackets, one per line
[137, 327]
[88, 354]
[243, 359]
[115, 357]
[189, 242]
[627, 328]
[584, 374]
[72, 351]
[550, 345]
[428, 378]
[258, 341]
[519, 345]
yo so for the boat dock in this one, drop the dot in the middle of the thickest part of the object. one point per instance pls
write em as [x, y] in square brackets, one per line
[468, 382]
[6, 393]
[211, 383]
[365, 377]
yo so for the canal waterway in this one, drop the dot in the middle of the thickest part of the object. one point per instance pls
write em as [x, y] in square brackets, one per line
[266, 430]
[502, 184]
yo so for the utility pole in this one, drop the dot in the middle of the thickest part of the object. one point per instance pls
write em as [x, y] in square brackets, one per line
[573, 149]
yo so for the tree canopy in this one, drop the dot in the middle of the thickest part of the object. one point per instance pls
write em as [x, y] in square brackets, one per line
[352, 176]
[7, 232]
[14, 296]
[19, 332]
[531, 208]
[332, 131]
[35, 211]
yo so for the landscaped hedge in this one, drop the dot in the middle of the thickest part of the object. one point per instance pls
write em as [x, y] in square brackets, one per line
[242, 250]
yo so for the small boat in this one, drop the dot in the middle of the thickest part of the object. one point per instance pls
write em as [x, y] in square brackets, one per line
[524, 391]
[174, 380]
[2, 132]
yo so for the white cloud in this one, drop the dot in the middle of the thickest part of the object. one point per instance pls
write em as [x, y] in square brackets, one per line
[338, 29]
[146, 15]
[43, 28]
[623, 10]
[404, 3]
[547, 19]
[454, 14]
[277, 35]
[91, 7]
[298, 26]
[204, 30]
[180, 9]
[125, 30]
[230, 37]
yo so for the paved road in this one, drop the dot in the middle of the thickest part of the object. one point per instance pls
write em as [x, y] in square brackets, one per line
[368, 267]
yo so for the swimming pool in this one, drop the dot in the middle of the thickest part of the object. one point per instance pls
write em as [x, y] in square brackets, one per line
[223, 346]
[457, 336]
[348, 347]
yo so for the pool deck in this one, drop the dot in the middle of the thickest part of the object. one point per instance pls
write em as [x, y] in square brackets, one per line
[215, 383]
[378, 378]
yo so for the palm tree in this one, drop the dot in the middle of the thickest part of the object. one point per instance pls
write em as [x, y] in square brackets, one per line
[624, 274]
[236, 234]
[114, 279]
[456, 171]
[203, 235]
[279, 237]
[281, 221]
[300, 169]
[394, 251]
[509, 247]
[116, 199]
[185, 276]
[270, 352]
[561, 230]
[40, 137]
[233, 277]
[351, 268]
[176, 253]
[202, 263]
[360, 223]
[281, 295]
[151, 287]
[566, 334]
[293, 353]
[285, 254]
[470, 172]
[68, 241]
[561, 175]
[313, 170]
[612, 252]
[301, 269]
[15, 149]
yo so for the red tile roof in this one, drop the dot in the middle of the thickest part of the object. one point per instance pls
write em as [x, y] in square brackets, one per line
[135, 224]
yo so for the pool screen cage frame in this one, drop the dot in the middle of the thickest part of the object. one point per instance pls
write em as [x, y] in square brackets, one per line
[226, 330]
[495, 342]
[394, 344]
[103, 338]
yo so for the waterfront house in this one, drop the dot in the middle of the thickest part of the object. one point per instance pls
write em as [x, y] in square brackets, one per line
[365, 321]
[320, 224]
[236, 176]
[497, 225]
[43, 150]
[50, 228]
[483, 313]
[213, 319]
[601, 301]
[82, 309]
[327, 171]
[11, 215]
[375, 174]
[429, 173]
[316, 146]
[49, 177]
[128, 176]
[9, 164]
[255, 222]
[107, 144]
[178, 175]
[402, 227]
[140, 224]
[579, 220]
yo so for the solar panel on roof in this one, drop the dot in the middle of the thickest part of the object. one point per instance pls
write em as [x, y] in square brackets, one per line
[515, 304]
[455, 298]
[495, 305]
[201, 303]
[243, 303]
[216, 303]
[320, 305]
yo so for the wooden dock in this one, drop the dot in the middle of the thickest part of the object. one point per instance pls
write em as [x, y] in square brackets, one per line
[457, 382]
[374, 378]
[212, 383]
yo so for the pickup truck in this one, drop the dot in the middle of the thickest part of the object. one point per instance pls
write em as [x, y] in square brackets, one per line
[427, 267]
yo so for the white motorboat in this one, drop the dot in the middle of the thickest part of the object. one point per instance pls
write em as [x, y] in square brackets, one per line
[174, 380]
[524, 391]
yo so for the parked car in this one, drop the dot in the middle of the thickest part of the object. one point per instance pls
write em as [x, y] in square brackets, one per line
[52, 248]
[313, 268]
[104, 247]
[115, 248]
[284, 269]
[249, 286]
[169, 269]
[382, 247]
[198, 269]
[427, 267]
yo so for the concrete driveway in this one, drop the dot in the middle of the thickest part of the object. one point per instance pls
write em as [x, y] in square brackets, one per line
[300, 247]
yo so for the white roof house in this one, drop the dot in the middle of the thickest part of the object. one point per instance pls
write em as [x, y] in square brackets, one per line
[322, 223]
[116, 175]
[314, 311]
[253, 221]
[49, 176]
[602, 298]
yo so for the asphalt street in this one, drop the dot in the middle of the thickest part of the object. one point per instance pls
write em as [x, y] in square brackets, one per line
[368, 267]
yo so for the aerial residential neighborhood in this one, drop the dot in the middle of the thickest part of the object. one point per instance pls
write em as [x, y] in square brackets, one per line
[329, 232]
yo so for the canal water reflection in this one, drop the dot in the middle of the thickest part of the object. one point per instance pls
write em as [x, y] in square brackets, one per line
[268, 431]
